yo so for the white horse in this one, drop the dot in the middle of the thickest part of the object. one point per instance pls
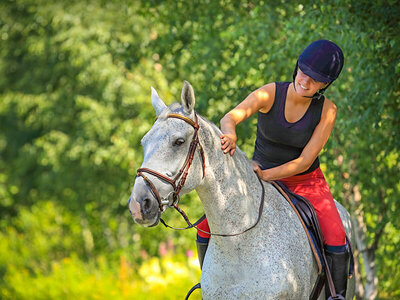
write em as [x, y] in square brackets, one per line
[273, 260]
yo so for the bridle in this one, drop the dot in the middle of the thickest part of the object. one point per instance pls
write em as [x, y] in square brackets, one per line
[182, 174]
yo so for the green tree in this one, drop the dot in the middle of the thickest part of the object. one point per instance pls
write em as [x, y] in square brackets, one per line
[75, 102]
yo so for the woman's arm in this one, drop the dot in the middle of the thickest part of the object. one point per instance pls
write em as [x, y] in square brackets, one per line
[311, 150]
[259, 100]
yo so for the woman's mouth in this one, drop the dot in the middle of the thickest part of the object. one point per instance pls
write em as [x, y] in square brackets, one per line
[303, 87]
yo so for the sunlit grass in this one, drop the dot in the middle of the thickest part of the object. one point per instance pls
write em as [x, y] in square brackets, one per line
[167, 277]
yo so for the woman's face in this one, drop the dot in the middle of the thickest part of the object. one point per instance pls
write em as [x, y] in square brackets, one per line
[306, 86]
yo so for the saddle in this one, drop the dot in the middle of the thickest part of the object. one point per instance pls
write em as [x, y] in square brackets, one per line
[308, 218]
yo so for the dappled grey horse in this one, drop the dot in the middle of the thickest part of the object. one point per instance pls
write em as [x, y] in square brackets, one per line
[273, 260]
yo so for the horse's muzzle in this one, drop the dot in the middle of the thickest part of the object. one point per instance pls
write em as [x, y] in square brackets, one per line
[143, 206]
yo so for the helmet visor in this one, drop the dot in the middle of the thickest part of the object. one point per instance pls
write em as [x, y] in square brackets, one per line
[313, 74]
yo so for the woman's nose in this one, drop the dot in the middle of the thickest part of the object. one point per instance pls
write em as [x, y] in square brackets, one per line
[306, 80]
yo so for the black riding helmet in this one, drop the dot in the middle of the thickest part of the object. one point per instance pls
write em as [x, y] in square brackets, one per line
[323, 61]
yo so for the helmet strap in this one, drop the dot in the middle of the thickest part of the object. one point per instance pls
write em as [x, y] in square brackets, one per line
[320, 94]
[295, 70]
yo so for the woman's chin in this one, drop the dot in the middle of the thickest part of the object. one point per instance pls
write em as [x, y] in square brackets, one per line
[303, 94]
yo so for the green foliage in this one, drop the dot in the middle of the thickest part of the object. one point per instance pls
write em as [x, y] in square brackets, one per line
[45, 248]
[166, 278]
[75, 102]
[45, 232]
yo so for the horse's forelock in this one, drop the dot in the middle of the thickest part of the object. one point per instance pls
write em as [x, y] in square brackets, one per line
[164, 114]
[175, 107]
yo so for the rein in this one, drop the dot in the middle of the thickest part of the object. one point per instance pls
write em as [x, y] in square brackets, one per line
[182, 174]
[190, 225]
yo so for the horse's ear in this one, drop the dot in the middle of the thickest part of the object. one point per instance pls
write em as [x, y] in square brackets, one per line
[187, 97]
[157, 103]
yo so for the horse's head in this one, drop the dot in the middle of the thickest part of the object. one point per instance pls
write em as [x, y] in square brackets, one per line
[173, 159]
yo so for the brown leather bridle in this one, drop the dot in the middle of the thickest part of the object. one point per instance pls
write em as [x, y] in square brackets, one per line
[182, 174]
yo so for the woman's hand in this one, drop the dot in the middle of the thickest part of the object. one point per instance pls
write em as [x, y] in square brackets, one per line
[264, 175]
[256, 169]
[228, 143]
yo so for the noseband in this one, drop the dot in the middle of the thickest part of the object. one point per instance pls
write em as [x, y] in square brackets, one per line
[183, 172]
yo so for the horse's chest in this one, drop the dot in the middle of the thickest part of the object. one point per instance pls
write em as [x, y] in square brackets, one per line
[244, 273]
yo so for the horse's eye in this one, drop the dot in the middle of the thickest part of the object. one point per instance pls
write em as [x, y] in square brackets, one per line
[179, 142]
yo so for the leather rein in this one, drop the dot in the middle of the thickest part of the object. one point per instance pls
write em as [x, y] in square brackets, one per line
[182, 175]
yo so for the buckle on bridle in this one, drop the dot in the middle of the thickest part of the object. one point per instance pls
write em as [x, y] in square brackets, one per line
[165, 202]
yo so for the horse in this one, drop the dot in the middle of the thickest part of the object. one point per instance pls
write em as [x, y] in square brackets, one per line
[273, 260]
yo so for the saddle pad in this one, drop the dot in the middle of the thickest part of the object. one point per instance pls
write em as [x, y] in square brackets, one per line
[306, 221]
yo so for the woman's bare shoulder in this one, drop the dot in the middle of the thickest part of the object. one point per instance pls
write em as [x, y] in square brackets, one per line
[266, 94]
[329, 110]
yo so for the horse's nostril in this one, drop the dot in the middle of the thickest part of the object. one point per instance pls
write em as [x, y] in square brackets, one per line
[146, 205]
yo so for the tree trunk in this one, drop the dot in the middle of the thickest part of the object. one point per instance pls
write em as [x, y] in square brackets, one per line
[366, 288]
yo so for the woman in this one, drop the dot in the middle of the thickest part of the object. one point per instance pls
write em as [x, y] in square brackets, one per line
[295, 121]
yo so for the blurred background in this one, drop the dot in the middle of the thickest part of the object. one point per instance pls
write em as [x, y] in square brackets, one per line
[75, 81]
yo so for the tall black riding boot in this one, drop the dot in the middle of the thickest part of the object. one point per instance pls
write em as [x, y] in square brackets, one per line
[201, 251]
[339, 266]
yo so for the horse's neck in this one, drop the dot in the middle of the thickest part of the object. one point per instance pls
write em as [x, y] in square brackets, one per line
[230, 192]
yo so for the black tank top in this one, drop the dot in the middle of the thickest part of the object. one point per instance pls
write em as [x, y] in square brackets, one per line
[279, 141]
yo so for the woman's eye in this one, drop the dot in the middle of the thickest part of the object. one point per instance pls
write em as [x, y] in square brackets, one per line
[179, 142]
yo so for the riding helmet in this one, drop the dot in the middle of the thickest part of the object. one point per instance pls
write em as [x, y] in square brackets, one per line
[322, 60]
